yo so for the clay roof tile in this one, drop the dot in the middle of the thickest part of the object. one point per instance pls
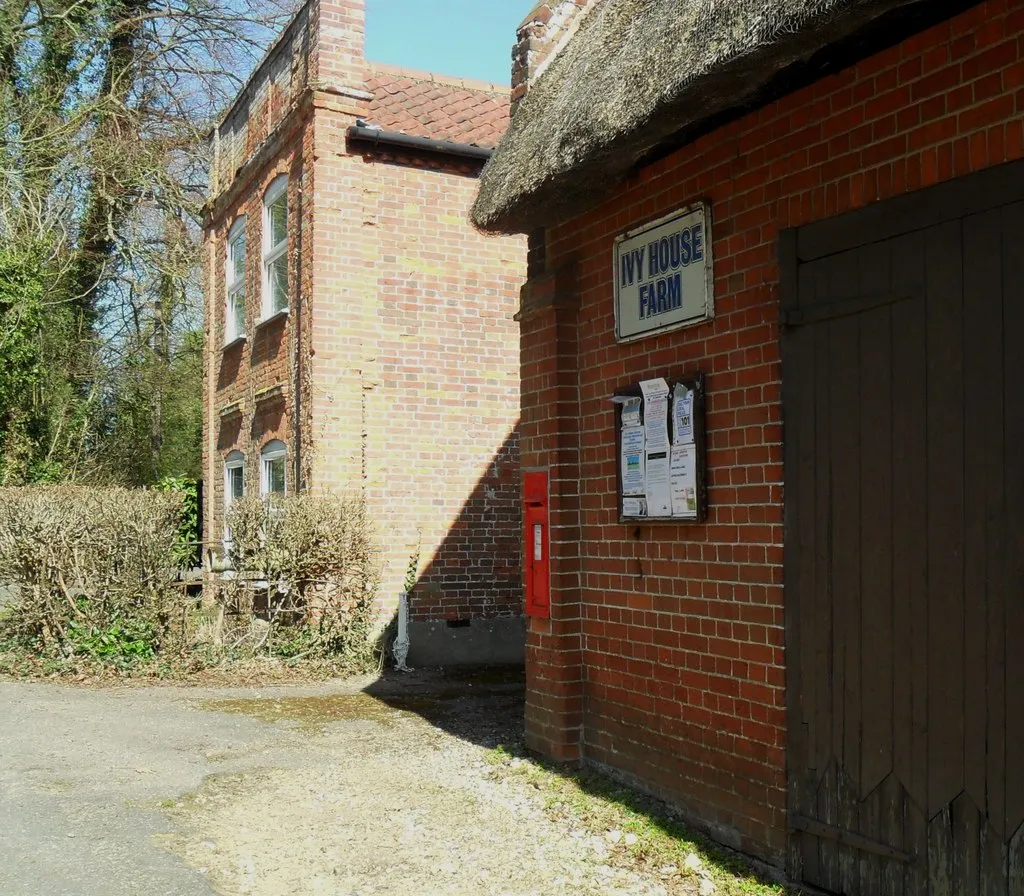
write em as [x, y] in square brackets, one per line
[426, 105]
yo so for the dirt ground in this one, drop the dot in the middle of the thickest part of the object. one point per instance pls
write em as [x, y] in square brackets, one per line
[371, 786]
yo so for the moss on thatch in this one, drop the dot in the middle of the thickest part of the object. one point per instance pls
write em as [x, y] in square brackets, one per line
[635, 74]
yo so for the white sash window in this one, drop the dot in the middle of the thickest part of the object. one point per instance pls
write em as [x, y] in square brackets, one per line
[275, 248]
[235, 317]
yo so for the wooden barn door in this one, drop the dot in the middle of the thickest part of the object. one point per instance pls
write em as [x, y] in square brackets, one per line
[903, 365]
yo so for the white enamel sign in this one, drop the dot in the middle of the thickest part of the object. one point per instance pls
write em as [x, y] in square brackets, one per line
[663, 274]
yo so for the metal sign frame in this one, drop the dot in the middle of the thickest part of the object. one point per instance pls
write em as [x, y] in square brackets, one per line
[696, 383]
[709, 272]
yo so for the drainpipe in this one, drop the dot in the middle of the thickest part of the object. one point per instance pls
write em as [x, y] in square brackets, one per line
[297, 390]
[210, 383]
[401, 646]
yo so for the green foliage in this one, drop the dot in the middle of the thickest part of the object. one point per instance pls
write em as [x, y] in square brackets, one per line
[153, 415]
[295, 642]
[102, 109]
[21, 317]
[186, 543]
[182, 418]
[122, 640]
[40, 409]
[65, 414]
[413, 569]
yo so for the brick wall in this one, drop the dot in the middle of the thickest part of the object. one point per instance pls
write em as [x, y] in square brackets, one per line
[340, 63]
[399, 354]
[664, 655]
[423, 353]
[443, 409]
[274, 89]
[251, 384]
[544, 31]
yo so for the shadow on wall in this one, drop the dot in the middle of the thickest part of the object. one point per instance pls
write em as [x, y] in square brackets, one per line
[268, 419]
[466, 606]
[230, 364]
[268, 340]
[229, 431]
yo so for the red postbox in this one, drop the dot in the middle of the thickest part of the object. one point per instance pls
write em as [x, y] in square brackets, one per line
[536, 545]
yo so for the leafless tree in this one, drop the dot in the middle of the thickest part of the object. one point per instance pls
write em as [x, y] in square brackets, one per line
[104, 106]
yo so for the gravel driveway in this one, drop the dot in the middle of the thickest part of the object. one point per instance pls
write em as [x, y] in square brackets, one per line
[273, 791]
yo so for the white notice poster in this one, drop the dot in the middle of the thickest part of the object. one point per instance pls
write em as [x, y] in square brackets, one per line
[656, 414]
[684, 481]
[659, 492]
[682, 415]
[631, 411]
[634, 507]
[632, 460]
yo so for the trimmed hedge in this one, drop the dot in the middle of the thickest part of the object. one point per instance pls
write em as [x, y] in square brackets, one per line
[95, 569]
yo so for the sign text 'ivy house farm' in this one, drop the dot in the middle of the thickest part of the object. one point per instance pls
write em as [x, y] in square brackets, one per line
[663, 274]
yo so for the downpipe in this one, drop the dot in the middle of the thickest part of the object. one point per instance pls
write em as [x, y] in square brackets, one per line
[400, 650]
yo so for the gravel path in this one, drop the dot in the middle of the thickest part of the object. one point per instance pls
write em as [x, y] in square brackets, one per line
[297, 790]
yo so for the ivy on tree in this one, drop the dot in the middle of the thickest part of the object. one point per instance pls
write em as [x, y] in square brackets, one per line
[104, 105]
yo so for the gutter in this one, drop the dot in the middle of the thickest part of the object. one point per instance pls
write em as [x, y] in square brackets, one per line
[378, 137]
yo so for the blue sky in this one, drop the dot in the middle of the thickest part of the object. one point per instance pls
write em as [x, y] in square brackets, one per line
[466, 38]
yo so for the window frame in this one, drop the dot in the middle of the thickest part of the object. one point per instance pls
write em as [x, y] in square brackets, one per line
[234, 461]
[272, 253]
[235, 287]
[272, 451]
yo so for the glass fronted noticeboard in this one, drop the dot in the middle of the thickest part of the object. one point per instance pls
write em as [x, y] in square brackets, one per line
[661, 450]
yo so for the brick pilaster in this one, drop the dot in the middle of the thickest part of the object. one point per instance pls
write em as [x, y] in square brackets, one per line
[340, 58]
[550, 441]
[539, 37]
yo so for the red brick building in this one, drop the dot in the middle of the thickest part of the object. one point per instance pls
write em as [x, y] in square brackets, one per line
[823, 671]
[359, 329]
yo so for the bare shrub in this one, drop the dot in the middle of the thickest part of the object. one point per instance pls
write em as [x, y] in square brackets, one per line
[314, 559]
[95, 570]
[96, 573]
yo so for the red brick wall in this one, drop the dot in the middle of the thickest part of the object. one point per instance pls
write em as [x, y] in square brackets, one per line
[664, 656]
[540, 37]
[275, 87]
[407, 370]
[340, 38]
[422, 350]
[251, 384]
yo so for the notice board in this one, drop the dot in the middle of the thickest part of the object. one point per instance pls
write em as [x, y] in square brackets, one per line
[660, 446]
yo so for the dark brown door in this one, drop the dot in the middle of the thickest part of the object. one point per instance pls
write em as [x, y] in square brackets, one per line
[903, 365]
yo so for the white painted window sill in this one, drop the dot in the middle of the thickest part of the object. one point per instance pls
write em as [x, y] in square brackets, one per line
[277, 315]
[231, 343]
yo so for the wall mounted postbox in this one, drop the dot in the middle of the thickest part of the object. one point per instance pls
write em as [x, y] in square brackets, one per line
[536, 545]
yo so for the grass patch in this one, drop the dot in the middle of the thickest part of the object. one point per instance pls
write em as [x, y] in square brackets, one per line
[200, 666]
[117, 661]
[640, 833]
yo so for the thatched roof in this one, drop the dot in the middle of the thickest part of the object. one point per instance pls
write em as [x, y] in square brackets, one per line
[637, 74]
